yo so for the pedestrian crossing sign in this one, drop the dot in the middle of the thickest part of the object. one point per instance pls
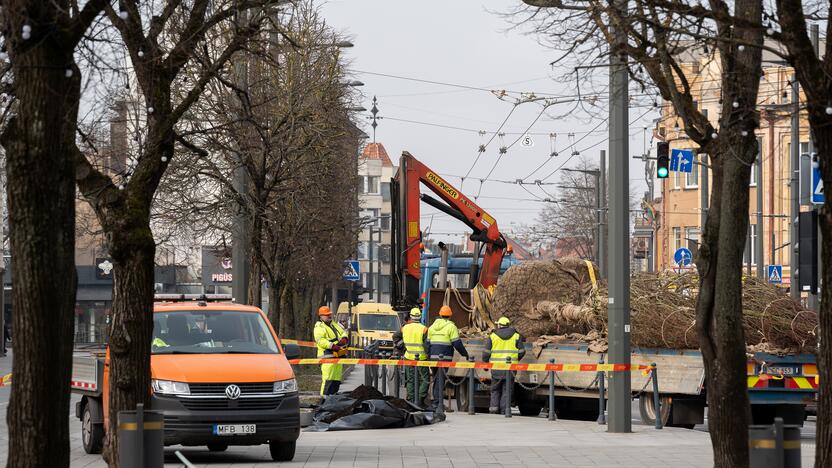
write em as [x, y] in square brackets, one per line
[775, 274]
[352, 270]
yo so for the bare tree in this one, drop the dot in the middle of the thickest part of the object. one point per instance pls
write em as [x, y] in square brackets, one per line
[814, 74]
[163, 40]
[660, 37]
[42, 76]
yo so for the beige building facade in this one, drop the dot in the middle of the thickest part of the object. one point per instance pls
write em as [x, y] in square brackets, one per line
[679, 205]
[374, 172]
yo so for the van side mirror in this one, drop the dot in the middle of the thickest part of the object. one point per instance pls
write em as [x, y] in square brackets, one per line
[292, 351]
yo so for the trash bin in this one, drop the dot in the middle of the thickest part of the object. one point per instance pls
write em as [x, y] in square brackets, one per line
[774, 446]
[141, 438]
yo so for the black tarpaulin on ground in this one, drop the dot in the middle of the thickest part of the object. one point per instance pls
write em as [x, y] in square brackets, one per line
[366, 408]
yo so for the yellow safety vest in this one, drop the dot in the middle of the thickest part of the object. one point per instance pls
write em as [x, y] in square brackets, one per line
[327, 335]
[159, 343]
[443, 331]
[413, 335]
[502, 349]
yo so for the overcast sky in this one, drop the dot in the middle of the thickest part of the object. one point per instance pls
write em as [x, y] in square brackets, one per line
[465, 42]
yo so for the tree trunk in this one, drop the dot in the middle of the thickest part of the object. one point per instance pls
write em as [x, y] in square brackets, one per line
[823, 444]
[131, 329]
[40, 151]
[275, 291]
[287, 323]
[719, 306]
[255, 279]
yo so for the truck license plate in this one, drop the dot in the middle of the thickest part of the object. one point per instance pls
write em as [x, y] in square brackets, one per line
[234, 429]
[784, 370]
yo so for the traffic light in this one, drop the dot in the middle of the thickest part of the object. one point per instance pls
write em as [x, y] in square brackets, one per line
[662, 160]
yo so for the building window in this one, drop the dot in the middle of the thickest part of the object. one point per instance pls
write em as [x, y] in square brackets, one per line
[385, 191]
[385, 222]
[362, 250]
[677, 179]
[371, 184]
[370, 217]
[754, 168]
[751, 247]
[692, 237]
[692, 177]
[677, 243]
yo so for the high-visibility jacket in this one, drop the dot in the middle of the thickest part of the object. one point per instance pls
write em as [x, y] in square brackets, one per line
[326, 335]
[413, 335]
[443, 337]
[502, 349]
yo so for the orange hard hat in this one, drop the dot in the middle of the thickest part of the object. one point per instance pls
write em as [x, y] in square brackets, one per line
[324, 310]
[445, 311]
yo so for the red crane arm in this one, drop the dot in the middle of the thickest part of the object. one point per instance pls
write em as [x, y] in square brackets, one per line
[483, 224]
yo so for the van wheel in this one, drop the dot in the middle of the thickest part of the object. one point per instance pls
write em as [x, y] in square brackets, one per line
[282, 451]
[218, 447]
[92, 433]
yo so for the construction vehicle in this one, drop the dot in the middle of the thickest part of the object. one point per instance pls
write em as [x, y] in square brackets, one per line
[779, 386]
[369, 322]
[220, 376]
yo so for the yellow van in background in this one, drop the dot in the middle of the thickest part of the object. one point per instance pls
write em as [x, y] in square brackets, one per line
[368, 322]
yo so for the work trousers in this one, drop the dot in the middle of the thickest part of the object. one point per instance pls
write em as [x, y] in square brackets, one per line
[499, 396]
[410, 382]
[331, 378]
[437, 397]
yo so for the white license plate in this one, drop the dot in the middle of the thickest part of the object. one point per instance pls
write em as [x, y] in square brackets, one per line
[234, 429]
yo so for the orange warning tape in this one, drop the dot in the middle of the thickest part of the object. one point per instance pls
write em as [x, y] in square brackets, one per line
[478, 365]
[311, 344]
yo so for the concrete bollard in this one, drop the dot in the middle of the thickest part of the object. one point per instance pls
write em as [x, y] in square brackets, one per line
[552, 416]
[509, 388]
[602, 418]
[654, 376]
[142, 437]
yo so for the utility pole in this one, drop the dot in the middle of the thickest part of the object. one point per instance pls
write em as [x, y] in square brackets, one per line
[370, 281]
[704, 201]
[602, 216]
[794, 186]
[814, 297]
[758, 241]
[620, 397]
[240, 227]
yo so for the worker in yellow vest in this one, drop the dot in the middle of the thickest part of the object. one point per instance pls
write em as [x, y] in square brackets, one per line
[411, 340]
[443, 338]
[503, 343]
[331, 341]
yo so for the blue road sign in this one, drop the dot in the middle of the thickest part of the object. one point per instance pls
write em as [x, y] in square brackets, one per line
[775, 274]
[818, 197]
[681, 160]
[683, 257]
[352, 270]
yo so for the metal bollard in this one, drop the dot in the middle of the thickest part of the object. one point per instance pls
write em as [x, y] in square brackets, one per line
[375, 370]
[509, 385]
[471, 377]
[774, 445]
[384, 376]
[397, 381]
[602, 418]
[552, 416]
[368, 369]
[656, 403]
[142, 438]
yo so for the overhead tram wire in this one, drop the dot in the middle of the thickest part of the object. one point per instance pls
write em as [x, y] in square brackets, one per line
[484, 147]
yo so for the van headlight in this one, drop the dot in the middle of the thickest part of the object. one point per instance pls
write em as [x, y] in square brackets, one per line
[169, 387]
[286, 386]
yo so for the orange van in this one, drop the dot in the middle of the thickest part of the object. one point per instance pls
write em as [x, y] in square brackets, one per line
[219, 375]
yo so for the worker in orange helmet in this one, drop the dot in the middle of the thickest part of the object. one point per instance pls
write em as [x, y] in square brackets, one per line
[331, 341]
[443, 338]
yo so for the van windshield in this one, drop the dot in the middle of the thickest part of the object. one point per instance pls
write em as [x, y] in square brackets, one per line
[378, 322]
[211, 332]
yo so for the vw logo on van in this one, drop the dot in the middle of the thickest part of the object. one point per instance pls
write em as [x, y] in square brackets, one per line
[232, 392]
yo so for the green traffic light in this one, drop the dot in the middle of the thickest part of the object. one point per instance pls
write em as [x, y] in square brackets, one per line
[662, 172]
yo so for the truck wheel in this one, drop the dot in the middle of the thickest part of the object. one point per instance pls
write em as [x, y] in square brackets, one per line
[282, 451]
[647, 408]
[218, 447]
[92, 433]
[462, 396]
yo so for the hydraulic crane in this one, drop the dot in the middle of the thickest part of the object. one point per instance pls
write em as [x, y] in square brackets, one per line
[407, 234]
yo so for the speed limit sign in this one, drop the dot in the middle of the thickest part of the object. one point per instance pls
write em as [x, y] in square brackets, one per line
[527, 141]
